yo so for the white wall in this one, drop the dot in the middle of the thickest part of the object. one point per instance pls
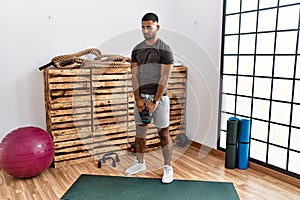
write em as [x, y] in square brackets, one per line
[33, 32]
[199, 24]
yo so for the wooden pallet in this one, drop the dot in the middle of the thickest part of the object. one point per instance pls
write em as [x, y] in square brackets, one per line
[89, 112]
[68, 114]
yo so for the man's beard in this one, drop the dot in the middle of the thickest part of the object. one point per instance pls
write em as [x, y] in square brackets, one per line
[149, 37]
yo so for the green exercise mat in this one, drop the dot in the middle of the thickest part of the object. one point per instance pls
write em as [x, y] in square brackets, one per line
[231, 143]
[232, 131]
[231, 156]
[96, 187]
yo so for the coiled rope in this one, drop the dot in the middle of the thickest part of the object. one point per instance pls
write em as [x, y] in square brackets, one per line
[108, 60]
[76, 60]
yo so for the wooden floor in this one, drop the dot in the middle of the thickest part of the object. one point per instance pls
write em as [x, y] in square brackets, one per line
[193, 163]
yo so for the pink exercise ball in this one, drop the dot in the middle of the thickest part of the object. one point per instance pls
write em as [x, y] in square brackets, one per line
[26, 152]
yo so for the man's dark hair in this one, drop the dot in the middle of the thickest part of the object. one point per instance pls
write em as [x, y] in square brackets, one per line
[150, 16]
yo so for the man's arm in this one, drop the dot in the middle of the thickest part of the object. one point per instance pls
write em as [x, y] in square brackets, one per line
[136, 86]
[165, 74]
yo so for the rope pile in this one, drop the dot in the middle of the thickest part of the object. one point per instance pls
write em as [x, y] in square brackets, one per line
[108, 61]
[77, 60]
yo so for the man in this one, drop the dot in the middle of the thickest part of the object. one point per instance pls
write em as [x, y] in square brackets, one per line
[151, 66]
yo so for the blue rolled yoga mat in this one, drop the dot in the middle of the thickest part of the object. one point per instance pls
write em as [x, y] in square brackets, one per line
[244, 135]
[243, 144]
[243, 152]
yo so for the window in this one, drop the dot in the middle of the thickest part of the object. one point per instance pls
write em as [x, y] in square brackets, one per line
[261, 79]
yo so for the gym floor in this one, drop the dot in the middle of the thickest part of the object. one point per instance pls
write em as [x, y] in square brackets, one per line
[250, 184]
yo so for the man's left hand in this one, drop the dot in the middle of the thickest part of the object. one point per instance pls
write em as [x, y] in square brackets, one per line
[151, 106]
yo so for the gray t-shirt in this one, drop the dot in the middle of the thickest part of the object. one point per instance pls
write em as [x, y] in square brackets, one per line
[149, 59]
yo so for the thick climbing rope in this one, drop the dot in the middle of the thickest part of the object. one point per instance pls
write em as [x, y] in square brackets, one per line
[108, 60]
[76, 60]
[71, 60]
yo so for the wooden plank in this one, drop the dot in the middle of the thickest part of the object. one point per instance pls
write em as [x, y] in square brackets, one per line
[46, 86]
[75, 136]
[113, 109]
[64, 145]
[67, 72]
[176, 86]
[71, 124]
[71, 131]
[130, 90]
[178, 106]
[69, 79]
[178, 112]
[179, 69]
[69, 105]
[177, 127]
[110, 135]
[131, 140]
[177, 80]
[175, 121]
[110, 131]
[115, 114]
[84, 98]
[71, 118]
[131, 134]
[71, 111]
[111, 102]
[123, 89]
[110, 108]
[178, 74]
[70, 92]
[110, 126]
[74, 85]
[110, 120]
[47, 100]
[180, 97]
[114, 97]
[110, 84]
[114, 70]
[109, 77]
[131, 116]
[74, 148]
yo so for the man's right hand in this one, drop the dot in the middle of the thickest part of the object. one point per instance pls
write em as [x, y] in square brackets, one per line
[140, 104]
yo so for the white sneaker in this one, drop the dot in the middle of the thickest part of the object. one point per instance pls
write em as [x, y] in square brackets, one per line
[136, 167]
[168, 174]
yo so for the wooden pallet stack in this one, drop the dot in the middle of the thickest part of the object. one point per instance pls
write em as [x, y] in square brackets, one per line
[89, 112]
[68, 114]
